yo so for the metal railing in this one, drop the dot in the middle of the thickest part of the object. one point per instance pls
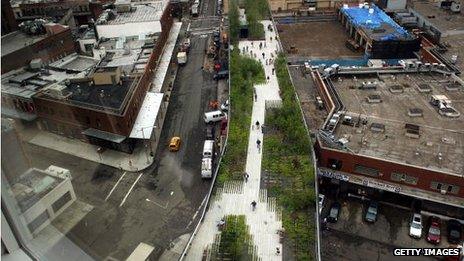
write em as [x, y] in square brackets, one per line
[216, 172]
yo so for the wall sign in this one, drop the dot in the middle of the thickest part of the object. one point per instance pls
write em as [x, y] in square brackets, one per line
[379, 185]
[332, 174]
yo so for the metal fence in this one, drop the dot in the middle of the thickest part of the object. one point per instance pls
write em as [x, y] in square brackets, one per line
[210, 192]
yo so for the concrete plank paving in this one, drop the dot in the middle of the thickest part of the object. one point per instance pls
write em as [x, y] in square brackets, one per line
[235, 199]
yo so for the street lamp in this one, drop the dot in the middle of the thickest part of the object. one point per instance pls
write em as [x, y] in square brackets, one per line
[149, 140]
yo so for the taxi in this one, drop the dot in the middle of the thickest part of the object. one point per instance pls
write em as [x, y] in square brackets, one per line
[174, 144]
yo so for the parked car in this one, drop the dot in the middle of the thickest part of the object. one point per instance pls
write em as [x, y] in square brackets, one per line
[372, 210]
[415, 229]
[321, 202]
[210, 132]
[214, 116]
[225, 106]
[434, 232]
[334, 212]
[221, 75]
[174, 144]
[454, 231]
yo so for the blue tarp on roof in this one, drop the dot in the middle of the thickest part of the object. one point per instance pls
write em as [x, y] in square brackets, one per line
[360, 17]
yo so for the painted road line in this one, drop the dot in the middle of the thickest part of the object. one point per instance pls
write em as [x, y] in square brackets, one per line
[130, 190]
[159, 205]
[115, 185]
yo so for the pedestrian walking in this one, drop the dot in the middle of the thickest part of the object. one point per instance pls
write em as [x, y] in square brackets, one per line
[273, 70]
[268, 78]
[265, 45]
[251, 44]
[260, 46]
[253, 205]
[266, 61]
[263, 55]
[277, 251]
[246, 176]
[258, 145]
[247, 48]
[257, 125]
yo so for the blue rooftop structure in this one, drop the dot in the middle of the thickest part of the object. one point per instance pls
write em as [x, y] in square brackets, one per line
[375, 23]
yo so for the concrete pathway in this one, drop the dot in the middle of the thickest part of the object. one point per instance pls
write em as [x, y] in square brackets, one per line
[236, 196]
[140, 158]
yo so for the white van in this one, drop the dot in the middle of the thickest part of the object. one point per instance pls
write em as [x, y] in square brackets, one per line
[214, 116]
[194, 10]
[208, 149]
[206, 168]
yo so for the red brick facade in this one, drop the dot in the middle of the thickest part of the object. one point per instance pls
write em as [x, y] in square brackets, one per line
[71, 119]
[48, 49]
[425, 177]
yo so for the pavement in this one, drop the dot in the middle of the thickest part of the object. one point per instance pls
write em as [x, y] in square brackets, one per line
[356, 239]
[156, 206]
[235, 197]
[140, 159]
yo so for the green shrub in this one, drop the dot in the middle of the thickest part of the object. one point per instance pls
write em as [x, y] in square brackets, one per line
[286, 157]
[235, 240]
[244, 74]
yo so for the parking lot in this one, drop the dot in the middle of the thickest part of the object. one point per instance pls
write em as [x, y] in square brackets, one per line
[391, 230]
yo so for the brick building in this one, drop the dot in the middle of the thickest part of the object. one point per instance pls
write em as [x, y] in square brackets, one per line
[394, 129]
[9, 23]
[81, 10]
[20, 48]
[102, 107]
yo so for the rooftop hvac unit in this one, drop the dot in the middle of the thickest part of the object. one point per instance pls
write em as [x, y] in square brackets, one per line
[58, 91]
[455, 7]
[36, 64]
[374, 98]
[369, 85]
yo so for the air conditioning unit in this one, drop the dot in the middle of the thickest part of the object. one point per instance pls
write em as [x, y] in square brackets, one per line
[443, 191]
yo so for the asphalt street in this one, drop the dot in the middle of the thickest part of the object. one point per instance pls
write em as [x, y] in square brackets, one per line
[155, 206]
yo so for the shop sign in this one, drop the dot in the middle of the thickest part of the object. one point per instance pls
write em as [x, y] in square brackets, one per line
[379, 185]
[332, 174]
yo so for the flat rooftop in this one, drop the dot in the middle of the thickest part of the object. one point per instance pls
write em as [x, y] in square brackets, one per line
[25, 83]
[384, 133]
[143, 13]
[108, 97]
[75, 63]
[32, 186]
[17, 40]
[131, 54]
[446, 21]
[375, 23]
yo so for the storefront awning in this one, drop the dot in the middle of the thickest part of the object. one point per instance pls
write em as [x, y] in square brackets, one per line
[145, 122]
[99, 134]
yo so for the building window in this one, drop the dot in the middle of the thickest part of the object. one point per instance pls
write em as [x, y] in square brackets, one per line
[360, 169]
[87, 119]
[98, 123]
[401, 177]
[444, 188]
[59, 203]
[335, 164]
[38, 221]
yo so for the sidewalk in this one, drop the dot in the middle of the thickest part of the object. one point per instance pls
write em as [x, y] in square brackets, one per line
[236, 196]
[140, 158]
[129, 162]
